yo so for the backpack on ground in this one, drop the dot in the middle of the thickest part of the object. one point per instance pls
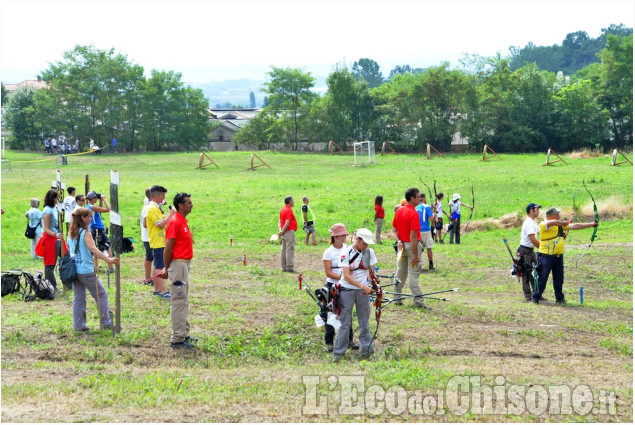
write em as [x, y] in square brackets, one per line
[127, 245]
[11, 282]
[37, 287]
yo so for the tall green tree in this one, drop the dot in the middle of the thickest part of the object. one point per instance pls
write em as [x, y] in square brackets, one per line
[289, 91]
[368, 70]
[252, 100]
[20, 118]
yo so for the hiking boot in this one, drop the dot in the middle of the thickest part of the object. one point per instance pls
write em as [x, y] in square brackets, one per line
[182, 344]
[191, 340]
[353, 346]
[167, 295]
[431, 266]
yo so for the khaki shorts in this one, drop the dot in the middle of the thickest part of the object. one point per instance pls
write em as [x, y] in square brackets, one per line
[426, 240]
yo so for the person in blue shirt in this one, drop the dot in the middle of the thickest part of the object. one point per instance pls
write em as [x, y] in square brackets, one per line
[425, 216]
[83, 255]
[97, 227]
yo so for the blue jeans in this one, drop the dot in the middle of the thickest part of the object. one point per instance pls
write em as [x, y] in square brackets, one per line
[550, 264]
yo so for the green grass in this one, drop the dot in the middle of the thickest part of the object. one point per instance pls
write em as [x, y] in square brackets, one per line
[257, 333]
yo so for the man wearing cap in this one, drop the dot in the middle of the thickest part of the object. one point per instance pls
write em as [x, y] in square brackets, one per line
[455, 208]
[528, 241]
[155, 221]
[553, 232]
[406, 230]
[97, 227]
[356, 265]
[288, 226]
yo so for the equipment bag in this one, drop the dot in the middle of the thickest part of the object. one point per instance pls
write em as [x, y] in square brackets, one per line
[30, 231]
[11, 282]
[37, 287]
[66, 266]
[127, 245]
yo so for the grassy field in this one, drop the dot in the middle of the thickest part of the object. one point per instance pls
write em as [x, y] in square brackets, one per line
[260, 356]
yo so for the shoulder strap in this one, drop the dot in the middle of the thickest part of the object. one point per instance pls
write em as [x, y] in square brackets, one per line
[79, 238]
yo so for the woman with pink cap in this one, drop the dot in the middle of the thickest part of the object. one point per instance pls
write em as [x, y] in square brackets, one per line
[333, 270]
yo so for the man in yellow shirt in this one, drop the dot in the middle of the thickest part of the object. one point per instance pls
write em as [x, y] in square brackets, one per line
[155, 222]
[553, 233]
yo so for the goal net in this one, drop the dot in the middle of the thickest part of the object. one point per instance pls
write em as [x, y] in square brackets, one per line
[364, 153]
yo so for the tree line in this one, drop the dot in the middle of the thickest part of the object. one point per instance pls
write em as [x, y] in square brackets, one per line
[484, 99]
[101, 95]
[98, 94]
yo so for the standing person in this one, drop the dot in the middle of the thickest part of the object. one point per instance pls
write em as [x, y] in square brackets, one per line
[425, 216]
[68, 148]
[379, 217]
[155, 221]
[309, 220]
[528, 241]
[34, 215]
[438, 223]
[47, 145]
[54, 145]
[455, 207]
[288, 226]
[97, 227]
[86, 279]
[406, 230]
[91, 145]
[62, 148]
[332, 268]
[357, 263]
[147, 261]
[50, 236]
[76, 146]
[69, 205]
[80, 202]
[553, 232]
[177, 256]
[114, 145]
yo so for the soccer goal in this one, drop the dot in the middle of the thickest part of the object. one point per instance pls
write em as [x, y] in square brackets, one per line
[364, 153]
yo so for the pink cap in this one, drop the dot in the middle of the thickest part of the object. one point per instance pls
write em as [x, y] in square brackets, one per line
[338, 229]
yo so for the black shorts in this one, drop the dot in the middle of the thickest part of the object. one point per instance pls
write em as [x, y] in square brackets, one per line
[146, 246]
[438, 225]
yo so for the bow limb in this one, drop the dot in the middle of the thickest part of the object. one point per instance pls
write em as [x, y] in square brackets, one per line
[596, 220]
[471, 211]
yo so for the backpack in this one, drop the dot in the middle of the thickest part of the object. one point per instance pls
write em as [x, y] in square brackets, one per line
[127, 245]
[11, 282]
[66, 266]
[37, 287]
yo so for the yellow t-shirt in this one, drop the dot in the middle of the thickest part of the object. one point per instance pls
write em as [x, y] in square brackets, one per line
[550, 242]
[156, 235]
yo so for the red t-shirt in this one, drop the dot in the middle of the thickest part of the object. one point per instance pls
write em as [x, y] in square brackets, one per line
[178, 230]
[379, 210]
[406, 220]
[286, 213]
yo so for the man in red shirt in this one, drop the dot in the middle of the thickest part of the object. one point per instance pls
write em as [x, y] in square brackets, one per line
[177, 256]
[288, 226]
[406, 230]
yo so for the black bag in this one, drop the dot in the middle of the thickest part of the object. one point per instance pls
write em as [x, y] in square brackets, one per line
[127, 245]
[11, 283]
[37, 287]
[30, 231]
[66, 265]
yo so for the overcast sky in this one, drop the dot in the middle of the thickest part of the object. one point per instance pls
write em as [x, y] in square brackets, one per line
[219, 40]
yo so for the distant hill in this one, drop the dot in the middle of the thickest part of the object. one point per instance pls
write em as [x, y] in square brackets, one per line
[576, 51]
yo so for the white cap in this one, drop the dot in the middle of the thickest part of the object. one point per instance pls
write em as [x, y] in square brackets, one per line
[365, 235]
[456, 197]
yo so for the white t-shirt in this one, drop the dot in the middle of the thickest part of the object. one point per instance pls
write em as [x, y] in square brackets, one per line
[356, 262]
[144, 230]
[530, 227]
[69, 207]
[439, 207]
[335, 256]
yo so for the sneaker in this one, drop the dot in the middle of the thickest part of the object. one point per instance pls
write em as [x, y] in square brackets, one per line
[314, 243]
[337, 358]
[182, 344]
[562, 301]
[191, 340]
[159, 294]
[148, 282]
[431, 266]
[423, 306]
[353, 346]
[543, 298]
[84, 329]
[535, 301]
[329, 348]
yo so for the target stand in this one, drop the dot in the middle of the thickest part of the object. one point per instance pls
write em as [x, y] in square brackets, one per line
[203, 164]
[614, 158]
[429, 147]
[253, 162]
[384, 151]
[552, 152]
[335, 148]
[485, 155]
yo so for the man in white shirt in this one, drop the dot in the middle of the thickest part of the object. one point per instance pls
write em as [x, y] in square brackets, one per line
[525, 251]
[69, 206]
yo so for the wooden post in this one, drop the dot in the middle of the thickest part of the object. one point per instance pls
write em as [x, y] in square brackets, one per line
[116, 238]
